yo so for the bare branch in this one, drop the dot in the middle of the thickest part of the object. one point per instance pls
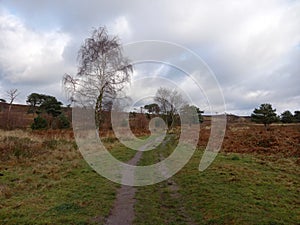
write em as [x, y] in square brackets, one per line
[102, 73]
[12, 94]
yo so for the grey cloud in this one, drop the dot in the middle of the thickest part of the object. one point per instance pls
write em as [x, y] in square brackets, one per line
[250, 45]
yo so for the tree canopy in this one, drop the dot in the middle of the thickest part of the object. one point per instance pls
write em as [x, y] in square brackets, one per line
[297, 116]
[102, 72]
[265, 114]
[170, 102]
[44, 103]
[51, 106]
[49, 111]
[35, 99]
[191, 114]
[287, 117]
[152, 108]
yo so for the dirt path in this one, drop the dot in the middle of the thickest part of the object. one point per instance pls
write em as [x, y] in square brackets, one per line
[174, 188]
[123, 210]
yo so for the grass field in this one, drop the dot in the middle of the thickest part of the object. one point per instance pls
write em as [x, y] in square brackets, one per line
[45, 181]
[235, 189]
[52, 185]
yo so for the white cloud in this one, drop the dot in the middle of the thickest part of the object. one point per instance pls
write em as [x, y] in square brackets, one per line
[252, 46]
[28, 56]
[121, 27]
[256, 94]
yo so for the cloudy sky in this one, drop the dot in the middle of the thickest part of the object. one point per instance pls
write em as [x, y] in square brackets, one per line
[253, 47]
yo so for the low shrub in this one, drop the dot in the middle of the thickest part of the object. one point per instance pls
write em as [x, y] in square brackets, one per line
[39, 123]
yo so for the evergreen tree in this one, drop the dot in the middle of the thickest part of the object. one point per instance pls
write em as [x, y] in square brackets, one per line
[287, 117]
[39, 123]
[265, 114]
[297, 116]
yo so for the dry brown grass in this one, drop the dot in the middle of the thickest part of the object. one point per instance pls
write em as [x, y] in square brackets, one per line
[5, 191]
[52, 184]
[280, 140]
[38, 160]
[18, 144]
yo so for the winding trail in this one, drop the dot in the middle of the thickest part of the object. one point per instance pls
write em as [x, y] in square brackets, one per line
[123, 210]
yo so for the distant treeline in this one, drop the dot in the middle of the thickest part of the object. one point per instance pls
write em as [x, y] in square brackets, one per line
[46, 112]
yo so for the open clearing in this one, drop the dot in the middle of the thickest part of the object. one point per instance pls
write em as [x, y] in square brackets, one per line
[44, 180]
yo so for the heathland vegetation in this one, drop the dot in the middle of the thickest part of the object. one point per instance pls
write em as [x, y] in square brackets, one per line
[254, 179]
[44, 179]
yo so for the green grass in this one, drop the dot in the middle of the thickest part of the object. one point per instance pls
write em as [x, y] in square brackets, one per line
[55, 187]
[235, 189]
[46, 181]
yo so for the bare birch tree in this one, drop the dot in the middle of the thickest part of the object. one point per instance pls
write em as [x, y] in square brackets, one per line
[170, 102]
[102, 73]
[11, 94]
